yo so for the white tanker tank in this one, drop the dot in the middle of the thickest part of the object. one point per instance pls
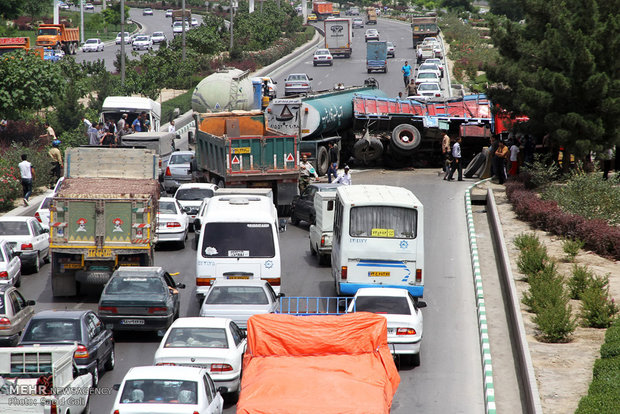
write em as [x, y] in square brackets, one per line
[225, 90]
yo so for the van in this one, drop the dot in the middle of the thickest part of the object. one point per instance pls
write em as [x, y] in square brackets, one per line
[115, 106]
[238, 240]
[321, 232]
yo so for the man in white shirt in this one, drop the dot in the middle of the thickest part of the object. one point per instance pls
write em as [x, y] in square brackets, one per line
[171, 128]
[27, 172]
[345, 177]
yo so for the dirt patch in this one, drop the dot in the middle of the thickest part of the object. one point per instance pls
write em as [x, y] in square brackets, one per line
[563, 371]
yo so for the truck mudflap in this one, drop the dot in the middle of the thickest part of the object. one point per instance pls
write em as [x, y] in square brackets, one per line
[63, 284]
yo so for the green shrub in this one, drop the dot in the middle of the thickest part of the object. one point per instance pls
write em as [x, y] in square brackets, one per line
[541, 173]
[598, 309]
[580, 280]
[546, 289]
[555, 322]
[572, 248]
[532, 261]
[526, 241]
[610, 349]
[613, 333]
[604, 403]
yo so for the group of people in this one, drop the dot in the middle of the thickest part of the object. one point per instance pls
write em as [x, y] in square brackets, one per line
[307, 170]
[110, 134]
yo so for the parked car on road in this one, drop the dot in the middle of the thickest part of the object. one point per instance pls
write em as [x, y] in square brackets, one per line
[297, 83]
[119, 38]
[10, 267]
[170, 390]
[437, 62]
[428, 91]
[322, 57]
[158, 37]
[391, 50]
[430, 67]
[215, 344]
[147, 11]
[191, 196]
[427, 76]
[95, 349]
[15, 312]
[140, 299]
[28, 239]
[371, 34]
[93, 45]
[172, 222]
[404, 318]
[143, 42]
[302, 207]
[239, 299]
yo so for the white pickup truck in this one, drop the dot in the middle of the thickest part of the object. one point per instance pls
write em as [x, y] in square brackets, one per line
[42, 379]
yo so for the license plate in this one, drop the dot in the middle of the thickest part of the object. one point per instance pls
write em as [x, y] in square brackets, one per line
[132, 322]
[99, 252]
[237, 277]
[378, 274]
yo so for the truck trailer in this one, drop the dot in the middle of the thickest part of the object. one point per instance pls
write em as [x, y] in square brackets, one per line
[103, 216]
[376, 56]
[339, 36]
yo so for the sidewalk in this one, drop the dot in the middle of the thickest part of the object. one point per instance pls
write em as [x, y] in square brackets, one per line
[33, 205]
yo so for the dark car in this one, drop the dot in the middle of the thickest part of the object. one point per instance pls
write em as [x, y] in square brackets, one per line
[95, 343]
[302, 207]
[140, 299]
[15, 312]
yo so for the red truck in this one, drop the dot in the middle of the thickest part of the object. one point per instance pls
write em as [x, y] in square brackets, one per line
[59, 36]
[322, 9]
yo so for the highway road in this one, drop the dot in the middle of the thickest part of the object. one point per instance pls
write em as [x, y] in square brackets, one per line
[157, 22]
[449, 378]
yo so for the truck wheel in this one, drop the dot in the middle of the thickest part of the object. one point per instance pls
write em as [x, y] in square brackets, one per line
[322, 161]
[406, 137]
[36, 266]
[312, 251]
[385, 70]
[367, 149]
[324, 259]
[369, 70]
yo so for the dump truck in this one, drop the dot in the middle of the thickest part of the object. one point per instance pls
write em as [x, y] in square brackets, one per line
[322, 9]
[376, 56]
[11, 44]
[40, 379]
[293, 364]
[59, 36]
[103, 216]
[371, 16]
[339, 36]
[237, 149]
[423, 26]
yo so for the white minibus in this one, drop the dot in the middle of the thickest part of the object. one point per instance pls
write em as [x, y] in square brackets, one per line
[238, 240]
[378, 239]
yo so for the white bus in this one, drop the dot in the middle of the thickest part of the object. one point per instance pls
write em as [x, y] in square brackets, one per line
[238, 240]
[378, 239]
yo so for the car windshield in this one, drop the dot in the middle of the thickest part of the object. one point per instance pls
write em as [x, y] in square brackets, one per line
[296, 77]
[52, 330]
[237, 295]
[383, 222]
[238, 240]
[428, 87]
[14, 228]
[197, 338]
[322, 52]
[158, 34]
[47, 32]
[390, 44]
[167, 207]
[142, 38]
[180, 159]
[427, 75]
[134, 285]
[159, 391]
[428, 66]
[187, 194]
[382, 304]
[433, 61]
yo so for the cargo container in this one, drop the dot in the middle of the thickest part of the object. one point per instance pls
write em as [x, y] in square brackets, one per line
[423, 26]
[59, 36]
[339, 36]
[376, 56]
[238, 150]
[322, 9]
[103, 216]
[371, 16]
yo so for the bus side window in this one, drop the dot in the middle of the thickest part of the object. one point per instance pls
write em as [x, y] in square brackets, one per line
[338, 219]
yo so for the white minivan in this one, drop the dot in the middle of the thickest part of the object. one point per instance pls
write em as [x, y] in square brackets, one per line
[321, 232]
[238, 240]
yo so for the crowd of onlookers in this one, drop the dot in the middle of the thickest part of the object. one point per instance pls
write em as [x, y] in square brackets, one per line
[110, 133]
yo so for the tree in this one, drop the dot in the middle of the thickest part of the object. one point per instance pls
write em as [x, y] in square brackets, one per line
[9, 9]
[462, 5]
[28, 83]
[112, 14]
[33, 8]
[560, 68]
[512, 9]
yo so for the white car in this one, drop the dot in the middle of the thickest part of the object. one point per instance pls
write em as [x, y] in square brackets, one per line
[89, 6]
[427, 76]
[371, 34]
[158, 37]
[172, 222]
[168, 12]
[437, 62]
[28, 239]
[322, 57]
[427, 91]
[215, 344]
[63, 6]
[43, 212]
[93, 45]
[168, 390]
[198, 219]
[10, 266]
[119, 38]
[147, 11]
[142, 42]
[430, 67]
[194, 22]
[391, 50]
[405, 324]
[238, 297]
[191, 196]
[177, 27]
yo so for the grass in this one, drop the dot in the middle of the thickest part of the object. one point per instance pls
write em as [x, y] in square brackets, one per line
[183, 102]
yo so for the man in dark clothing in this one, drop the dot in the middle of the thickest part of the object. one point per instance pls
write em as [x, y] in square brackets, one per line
[333, 162]
[456, 160]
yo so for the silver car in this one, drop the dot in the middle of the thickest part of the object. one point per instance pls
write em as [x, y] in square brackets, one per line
[158, 37]
[16, 311]
[177, 170]
[239, 299]
[297, 83]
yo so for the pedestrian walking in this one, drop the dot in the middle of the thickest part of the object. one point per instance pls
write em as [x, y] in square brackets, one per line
[500, 157]
[332, 170]
[406, 70]
[514, 157]
[445, 152]
[412, 90]
[56, 157]
[344, 178]
[49, 135]
[27, 173]
[456, 161]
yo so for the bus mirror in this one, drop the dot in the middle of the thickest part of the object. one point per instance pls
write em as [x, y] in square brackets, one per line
[330, 205]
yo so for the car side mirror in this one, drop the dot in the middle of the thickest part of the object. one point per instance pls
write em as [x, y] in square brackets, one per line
[222, 390]
[31, 303]
[180, 285]
[282, 225]
[44, 230]
[281, 295]
[116, 387]
[420, 304]
[309, 78]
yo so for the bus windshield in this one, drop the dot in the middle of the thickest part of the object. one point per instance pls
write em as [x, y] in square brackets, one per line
[383, 222]
[238, 240]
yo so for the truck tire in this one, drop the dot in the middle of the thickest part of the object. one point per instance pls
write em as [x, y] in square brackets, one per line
[406, 137]
[322, 161]
[367, 149]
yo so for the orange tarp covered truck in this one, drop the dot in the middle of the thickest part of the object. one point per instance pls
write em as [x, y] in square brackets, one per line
[317, 364]
[323, 9]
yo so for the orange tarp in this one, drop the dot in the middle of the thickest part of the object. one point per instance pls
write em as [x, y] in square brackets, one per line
[317, 364]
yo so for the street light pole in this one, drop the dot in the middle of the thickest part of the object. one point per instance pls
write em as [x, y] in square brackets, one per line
[231, 26]
[82, 20]
[122, 43]
[183, 33]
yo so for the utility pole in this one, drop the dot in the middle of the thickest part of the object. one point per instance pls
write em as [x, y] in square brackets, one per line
[56, 11]
[122, 43]
[82, 20]
[231, 25]
[183, 33]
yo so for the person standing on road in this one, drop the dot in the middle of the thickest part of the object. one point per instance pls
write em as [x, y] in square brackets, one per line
[514, 157]
[344, 178]
[27, 172]
[305, 171]
[333, 162]
[500, 156]
[418, 55]
[406, 69]
[445, 152]
[56, 157]
[412, 90]
[456, 160]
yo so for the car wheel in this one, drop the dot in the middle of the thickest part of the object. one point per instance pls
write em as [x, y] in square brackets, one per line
[36, 266]
[312, 219]
[324, 259]
[96, 375]
[294, 218]
[109, 365]
[47, 258]
[18, 282]
[312, 251]
[182, 243]
[415, 360]
[336, 287]
[314, 64]
[331, 63]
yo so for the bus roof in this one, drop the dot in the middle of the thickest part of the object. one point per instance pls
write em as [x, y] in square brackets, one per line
[377, 195]
[240, 209]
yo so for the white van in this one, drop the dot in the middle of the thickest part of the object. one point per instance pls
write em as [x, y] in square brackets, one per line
[115, 106]
[238, 240]
[378, 239]
[321, 232]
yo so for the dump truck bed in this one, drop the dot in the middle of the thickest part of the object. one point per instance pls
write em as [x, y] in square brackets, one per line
[108, 188]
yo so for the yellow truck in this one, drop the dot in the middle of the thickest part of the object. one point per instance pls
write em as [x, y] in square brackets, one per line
[59, 36]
